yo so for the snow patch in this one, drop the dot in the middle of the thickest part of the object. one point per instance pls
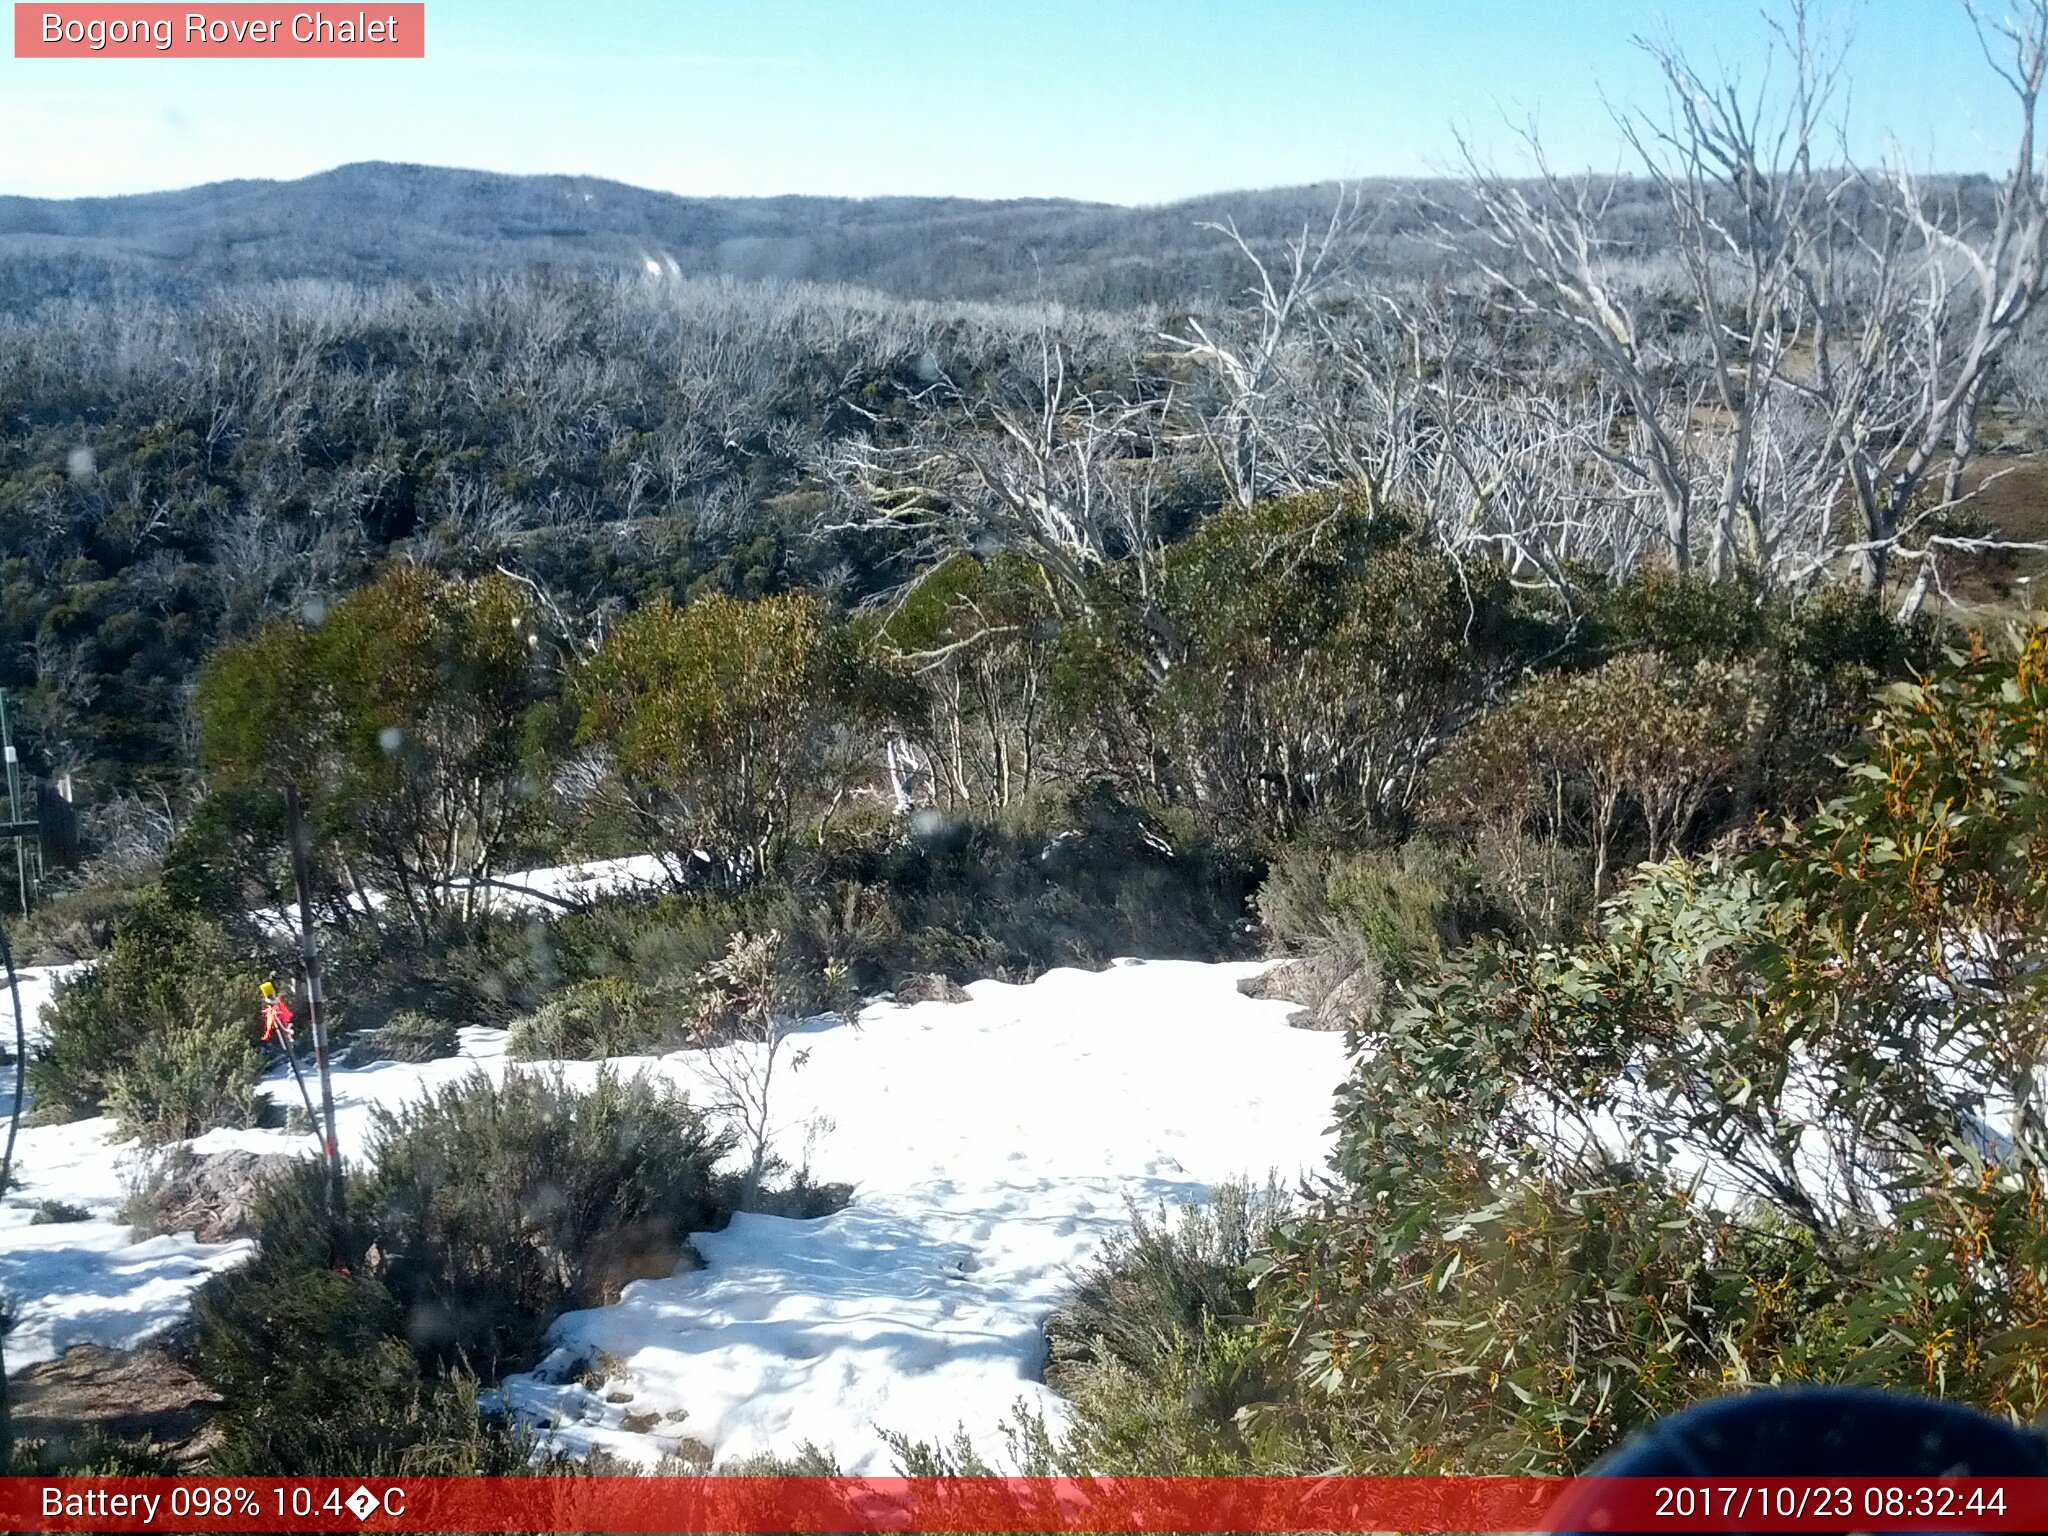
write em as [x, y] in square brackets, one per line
[992, 1145]
[89, 1282]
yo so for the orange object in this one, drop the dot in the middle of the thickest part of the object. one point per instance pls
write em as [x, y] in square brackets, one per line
[277, 1017]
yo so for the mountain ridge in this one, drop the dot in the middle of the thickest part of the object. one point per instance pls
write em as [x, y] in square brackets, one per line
[383, 220]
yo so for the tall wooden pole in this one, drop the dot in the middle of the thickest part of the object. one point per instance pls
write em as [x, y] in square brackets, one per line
[309, 956]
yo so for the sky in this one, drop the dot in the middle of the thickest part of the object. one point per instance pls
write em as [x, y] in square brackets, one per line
[1128, 101]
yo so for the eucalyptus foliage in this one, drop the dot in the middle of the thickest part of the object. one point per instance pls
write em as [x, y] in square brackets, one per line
[1775, 1120]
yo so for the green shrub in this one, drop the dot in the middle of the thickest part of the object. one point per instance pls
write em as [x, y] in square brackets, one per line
[1623, 758]
[182, 1084]
[660, 941]
[1189, 1411]
[1328, 648]
[78, 925]
[487, 1210]
[53, 1211]
[315, 1378]
[1401, 906]
[1155, 1352]
[166, 1005]
[1482, 1290]
[608, 1016]
[410, 1036]
[1161, 1282]
[1819, 658]
[1293, 901]
[93, 1452]
[1522, 1326]
[808, 1460]
[1401, 903]
[1077, 880]
[1061, 880]
[1540, 889]
[494, 1207]
[487, 971]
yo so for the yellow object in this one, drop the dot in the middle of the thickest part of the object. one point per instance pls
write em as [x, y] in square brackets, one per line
[269, 989]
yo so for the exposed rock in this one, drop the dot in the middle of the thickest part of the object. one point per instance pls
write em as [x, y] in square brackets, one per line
[691, 1456]
[1336, 988]
[122, 1394]
[1276, 984]
[929, 987]
[649, 1249]
[211, 1195]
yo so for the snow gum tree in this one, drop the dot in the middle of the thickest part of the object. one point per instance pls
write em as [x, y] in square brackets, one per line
[712, 719]
[404, 715]
[1330, 652]
[967, 652]
[1636, 740]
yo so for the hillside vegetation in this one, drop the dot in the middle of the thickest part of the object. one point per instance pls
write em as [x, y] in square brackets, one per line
[381, 222]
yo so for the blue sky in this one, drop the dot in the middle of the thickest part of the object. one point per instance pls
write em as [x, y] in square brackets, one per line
[1133, 101]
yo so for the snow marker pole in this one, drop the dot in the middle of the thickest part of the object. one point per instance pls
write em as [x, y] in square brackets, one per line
[309, 955]
[312, 1115]
[291, 1057]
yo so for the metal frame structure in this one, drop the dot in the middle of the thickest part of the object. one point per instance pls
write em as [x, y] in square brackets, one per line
[24, 831]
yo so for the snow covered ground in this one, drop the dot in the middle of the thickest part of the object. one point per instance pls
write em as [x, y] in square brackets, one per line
[992, 1146]
[79, 1282]
[528, 890]
[581, 882]
[37, 982]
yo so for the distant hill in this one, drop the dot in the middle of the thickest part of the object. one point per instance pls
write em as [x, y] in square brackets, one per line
[379, 221]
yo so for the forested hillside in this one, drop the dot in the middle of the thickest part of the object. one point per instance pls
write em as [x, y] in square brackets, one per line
[372, 223]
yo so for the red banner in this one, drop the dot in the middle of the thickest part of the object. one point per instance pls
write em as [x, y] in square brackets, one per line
[237, 31]
[1127, 1504]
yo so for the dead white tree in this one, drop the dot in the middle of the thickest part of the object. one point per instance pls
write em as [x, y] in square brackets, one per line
[1403, 400]
[1066, 477]
[1686, 429]
[1251, 425]
[1837, 334]
[1907, 434]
